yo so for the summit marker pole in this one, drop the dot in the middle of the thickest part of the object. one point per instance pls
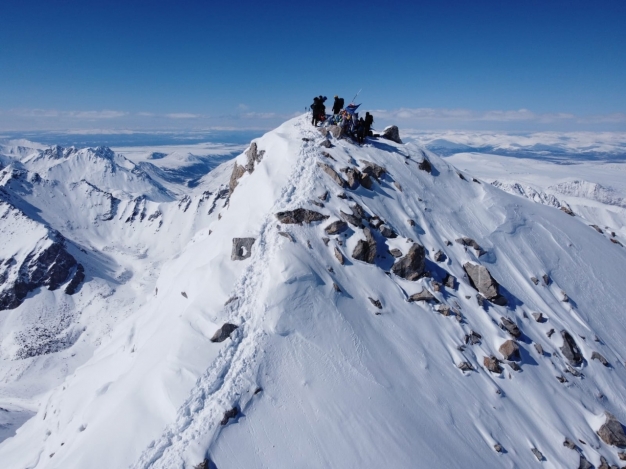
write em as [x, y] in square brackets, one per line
[356, 96]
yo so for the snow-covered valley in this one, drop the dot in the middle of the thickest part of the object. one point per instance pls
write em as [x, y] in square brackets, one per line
[391, 307]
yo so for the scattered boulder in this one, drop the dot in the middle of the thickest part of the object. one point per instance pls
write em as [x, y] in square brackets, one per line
[339, 256]
[300, 215]
[534, 280]
[324, 196]
[539, 317]
[387, 232]
[439, 256]
[567, 210]
[288, 236]
[481, 280]
[352, 219]
[424, 295]
[604, 464]
[570, 444]
[597, 228]
[465, 241]
[336, 227]
[508, 325]
[365, 250]
[184, 294]
[492, 364]
[465, 366]
[600, 358]
[392, 133]
[229, 414]
[395, 252]
[366, 181]
[223, 332]
[614, 241]
[354, 177]
[326, 143]
[376, 303]
[411, 266]
[510, 351]
[546, 279]
[570, 350]
[358, 211]
[373, 169]
[537, 454]
[203, 465]
[411, 222]
[612, 432]
[398, 186]
[550, 333]
[498, 448]
[539, 348]
[425, 165]
[473, 338]
[333, 174]
[336, 288]
[242, 248]
[449, 281]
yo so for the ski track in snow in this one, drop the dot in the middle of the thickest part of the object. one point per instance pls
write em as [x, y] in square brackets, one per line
[233, 372]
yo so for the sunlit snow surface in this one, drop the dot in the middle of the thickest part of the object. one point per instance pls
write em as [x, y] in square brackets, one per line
[341, 386]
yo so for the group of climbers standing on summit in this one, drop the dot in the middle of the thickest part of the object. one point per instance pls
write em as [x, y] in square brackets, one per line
[347, 118]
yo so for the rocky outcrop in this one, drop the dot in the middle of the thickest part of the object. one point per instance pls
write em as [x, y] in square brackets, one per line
[223, 332]
[353, 176]
[254, 156]
[352, 219]
[510, 326]
[242, 248]
[299, 216]
[365, 250]
[372, 169]
[336, 227]
[47, 265]
[465, 241]
[482, 281]
[600, 358]
[424, 295]
[425, 165]
[229, 414]
[387, 232]
[238, 172]
[339, 256]
[612, 431]
[392, 133]
[492, 364]
[510, 350]
[570, 350]
[333, 174]
[411, 266]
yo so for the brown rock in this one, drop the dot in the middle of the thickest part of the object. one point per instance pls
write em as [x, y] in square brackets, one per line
[223, 332]
[365, 250]
[395, 252]
[465, 366]
[492, 364]
[510, 350]
[336, 227]
[411, 266]
[238, 171]
[333, 174]
[339, 256]
[423, 295]
[612, 431]
[510, 326]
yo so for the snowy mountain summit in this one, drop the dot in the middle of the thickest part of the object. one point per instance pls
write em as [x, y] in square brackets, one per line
[312, 303]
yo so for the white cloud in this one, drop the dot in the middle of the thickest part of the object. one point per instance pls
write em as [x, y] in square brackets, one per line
[467, 115]
[183, 115]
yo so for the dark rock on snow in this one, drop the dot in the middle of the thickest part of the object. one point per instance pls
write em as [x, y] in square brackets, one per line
[395, 252]
[223, 332]
[373, 169]
[336, 227]
[424, 295]
[333, 174]
[300, 215]
[449, 281]
[242, 248]
[229, 414]
[600, 358]
[392, 133]
[238, 172]
[481, 280]
[570, 350]
[465, 241]
[411, 266]
[387, 232]
[492, 364]
[439, 256]
[537, 454]
[339, 256]
[570, 444]
[376, 303]
[584, 464]
[465, 366]
[425, 165]
[352, 219]
[612, 431]
[254, 156]
[365, 250]
[510, 350]
[473, 338]
[510, 326]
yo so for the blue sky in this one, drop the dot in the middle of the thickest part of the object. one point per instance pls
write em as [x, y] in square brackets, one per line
[501, 65]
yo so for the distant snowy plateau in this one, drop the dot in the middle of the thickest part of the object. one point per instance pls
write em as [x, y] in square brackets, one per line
[304, 302]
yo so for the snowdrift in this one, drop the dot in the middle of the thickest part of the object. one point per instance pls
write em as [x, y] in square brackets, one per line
[351, 275]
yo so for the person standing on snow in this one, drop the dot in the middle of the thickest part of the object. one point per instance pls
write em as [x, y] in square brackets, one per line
[316, 109]
[338, 105]
[369, 120]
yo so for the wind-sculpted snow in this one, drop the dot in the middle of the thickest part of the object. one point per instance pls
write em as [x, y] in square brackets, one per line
[336, 361]
[590, 190]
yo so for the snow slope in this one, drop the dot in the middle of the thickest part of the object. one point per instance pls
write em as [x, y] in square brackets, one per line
[320, 376]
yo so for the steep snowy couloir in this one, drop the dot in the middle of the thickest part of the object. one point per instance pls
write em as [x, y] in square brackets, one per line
[351, 274]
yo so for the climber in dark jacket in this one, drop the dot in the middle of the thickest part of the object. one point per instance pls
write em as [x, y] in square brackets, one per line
[360, 131]
[316, 110]
[338, 105]
[369, 120]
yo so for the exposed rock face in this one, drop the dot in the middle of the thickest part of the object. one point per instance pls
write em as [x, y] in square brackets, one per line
[411, 266]
[510, 350]
[612, 432]
[387, 232]
[353, 176]
[481, 280]
[424, 295]
[465, 366]
[570, 350]
[254, 156]
[537, 454]
[392, 133]
[365, 250]
[366, 181]
[473, 338]
[375, 302]
[300, 215]
[510, 326]
[336, 227]
[336, 131]
[439, 256]
[333, 174]
[449, 281]
[584, 464]
[223, 332]
[238, 172]
[339, 256]
[465, 241]
[326, 144]
[242, 248]
[48, 265]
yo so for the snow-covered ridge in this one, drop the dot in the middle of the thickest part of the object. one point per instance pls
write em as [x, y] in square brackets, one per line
[351, 274]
